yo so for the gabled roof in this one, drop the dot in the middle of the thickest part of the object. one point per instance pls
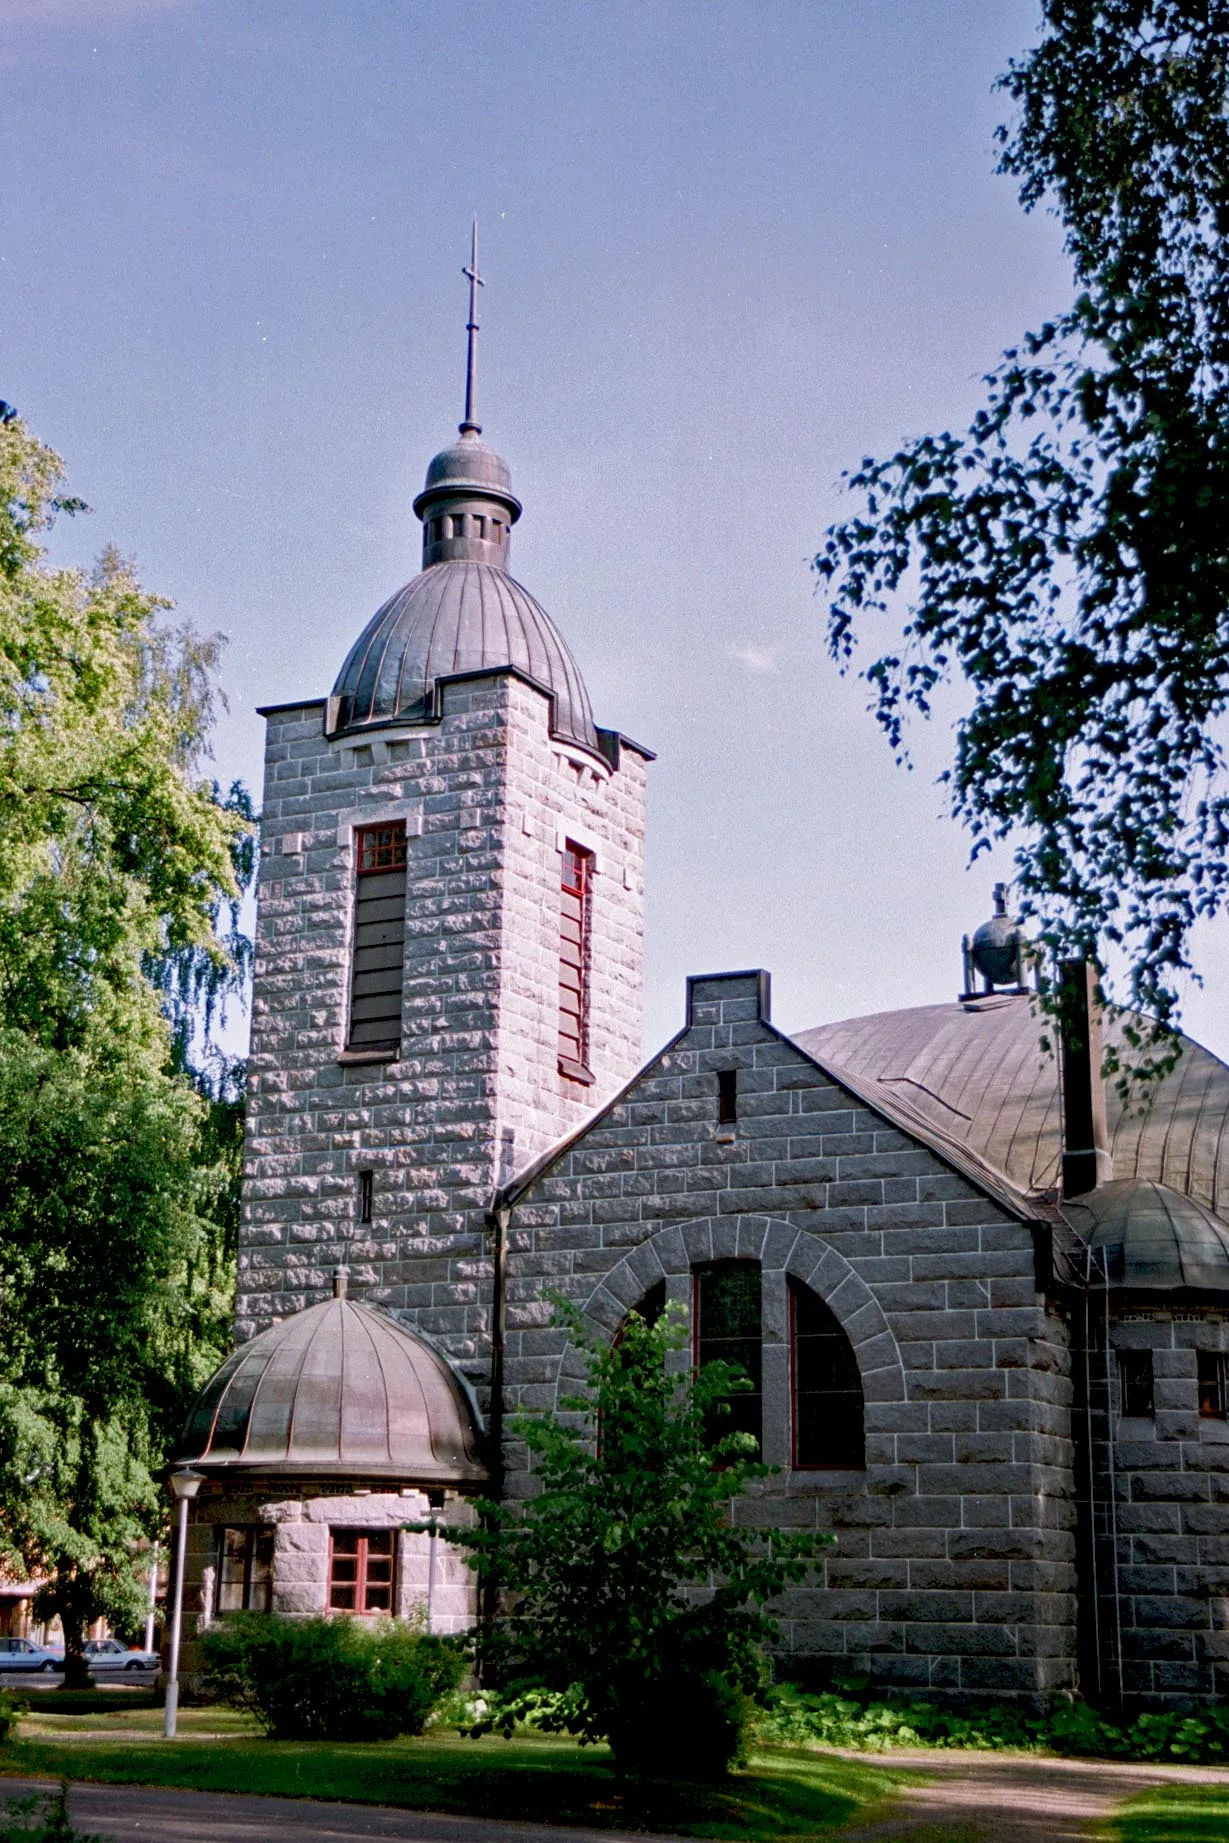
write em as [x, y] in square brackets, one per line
[974, 1079]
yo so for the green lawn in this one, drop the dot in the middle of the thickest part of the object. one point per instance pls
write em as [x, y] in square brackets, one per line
[782, 1794]
[1176, 1814]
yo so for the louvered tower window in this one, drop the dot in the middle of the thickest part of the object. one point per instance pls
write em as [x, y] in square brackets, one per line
[574, 919]
[379, 938]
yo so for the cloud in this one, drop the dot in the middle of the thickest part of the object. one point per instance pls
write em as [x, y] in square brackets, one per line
[754, 658]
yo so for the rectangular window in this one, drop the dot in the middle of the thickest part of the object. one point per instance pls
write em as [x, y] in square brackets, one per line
[1213, 1395]
[366, 1195]
[727, 1096]
[1135, 1380]
[728, 1329]
[361, 1571]
[574, 919]
[245, 1571]
[379, 938]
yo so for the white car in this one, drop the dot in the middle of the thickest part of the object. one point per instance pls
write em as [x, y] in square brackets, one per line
[109, 1654]
[21, 1654]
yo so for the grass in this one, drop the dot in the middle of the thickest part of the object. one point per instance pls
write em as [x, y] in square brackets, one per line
[1175, 1814]
[782, 1794]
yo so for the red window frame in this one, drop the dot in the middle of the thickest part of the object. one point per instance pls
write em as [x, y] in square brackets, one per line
[844, 1406]
[380, 848]
[362, 1570]
[575, 920]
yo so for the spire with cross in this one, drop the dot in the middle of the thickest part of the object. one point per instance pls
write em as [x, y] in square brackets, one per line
[469, 426]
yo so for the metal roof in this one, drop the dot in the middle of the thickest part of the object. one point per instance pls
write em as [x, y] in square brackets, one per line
[456, 617]
[974, 1079]
[337, 1388]
[1151, 1238]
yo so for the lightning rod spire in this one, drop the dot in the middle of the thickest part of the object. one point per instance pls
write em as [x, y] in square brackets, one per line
[469, 426]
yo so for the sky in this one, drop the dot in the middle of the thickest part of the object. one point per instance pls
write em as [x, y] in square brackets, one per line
[730, 247]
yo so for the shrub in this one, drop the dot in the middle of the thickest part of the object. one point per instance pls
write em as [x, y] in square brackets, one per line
[41, 1820]
[10, 1709]
[632, 1602]
[330, 1679]
[791, 1717]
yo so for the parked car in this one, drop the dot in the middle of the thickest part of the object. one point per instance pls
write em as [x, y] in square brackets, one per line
[109, 1654]
[23, 1654]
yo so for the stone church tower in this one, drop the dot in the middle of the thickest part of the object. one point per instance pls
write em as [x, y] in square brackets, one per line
[449, 932]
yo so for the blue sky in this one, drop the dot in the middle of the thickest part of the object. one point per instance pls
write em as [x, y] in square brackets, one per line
[729, 249]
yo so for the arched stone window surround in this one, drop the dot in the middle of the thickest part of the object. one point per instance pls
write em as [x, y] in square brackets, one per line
[784, 1252]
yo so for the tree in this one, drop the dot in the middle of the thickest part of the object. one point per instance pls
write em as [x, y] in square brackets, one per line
[1067, 556]
[120, 865]
[628, 1591]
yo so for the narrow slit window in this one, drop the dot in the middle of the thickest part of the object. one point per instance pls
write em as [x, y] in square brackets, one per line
[728, 1328]
[1213, 1393]
[575, 905]
[1135, 1382]
[361, 1571]
[366, 1189]
[829, 1408]
[379, 938]
[727, 1096]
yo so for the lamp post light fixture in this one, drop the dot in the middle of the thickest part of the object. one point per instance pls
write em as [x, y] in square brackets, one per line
[185, 1484]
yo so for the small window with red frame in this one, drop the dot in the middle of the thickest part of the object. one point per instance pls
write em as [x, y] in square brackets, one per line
[361, 1571]
[574, 927]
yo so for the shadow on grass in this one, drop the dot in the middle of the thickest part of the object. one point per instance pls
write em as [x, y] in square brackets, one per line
[1176, 1814]
[540, 1778]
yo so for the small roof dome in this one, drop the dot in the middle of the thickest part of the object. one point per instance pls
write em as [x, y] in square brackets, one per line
[470, 463]
[1153, 1237]
[995, 948]
[459, 616]
[338, 1388]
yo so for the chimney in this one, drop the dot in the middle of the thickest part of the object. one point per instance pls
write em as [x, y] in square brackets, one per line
[1086, 1153]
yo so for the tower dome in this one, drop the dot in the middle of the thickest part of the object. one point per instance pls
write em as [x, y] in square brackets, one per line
[463, 612]
[337, 1389]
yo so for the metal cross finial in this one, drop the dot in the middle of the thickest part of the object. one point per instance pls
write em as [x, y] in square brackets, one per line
[1000, 898]
[469, 426]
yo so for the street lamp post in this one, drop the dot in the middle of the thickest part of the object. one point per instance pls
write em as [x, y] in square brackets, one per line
[185, 1484]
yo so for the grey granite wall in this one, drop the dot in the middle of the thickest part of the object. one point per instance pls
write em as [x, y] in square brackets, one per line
[954, 1570]
[488, 798]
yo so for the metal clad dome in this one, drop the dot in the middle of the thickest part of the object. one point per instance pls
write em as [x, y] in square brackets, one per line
[459, 616]
[338, 1388]
[1154, 1238]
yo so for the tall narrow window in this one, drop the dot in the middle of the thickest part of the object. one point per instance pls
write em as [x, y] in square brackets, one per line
[1135, 1380]
[728, 1329]
[366, 1195]
[574, 918]
[727, 1096]
[828, 1405]
[361, 1571]
[1213, 1394]
[245, 1571]
[379, 938]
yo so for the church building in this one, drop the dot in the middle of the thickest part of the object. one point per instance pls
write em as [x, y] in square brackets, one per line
[983, 1304]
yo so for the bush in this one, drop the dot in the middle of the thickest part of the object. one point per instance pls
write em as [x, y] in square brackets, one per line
[330, 1679]
[41, 1820]
[9, 1712]
[791, 1717]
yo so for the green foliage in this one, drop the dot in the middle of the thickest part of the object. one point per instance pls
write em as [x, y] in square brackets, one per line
[1067, 556]
[792, 1717]
[41, 1819]
[10, 1711]
[121, 865]
[330, 1679]
[629, 1594]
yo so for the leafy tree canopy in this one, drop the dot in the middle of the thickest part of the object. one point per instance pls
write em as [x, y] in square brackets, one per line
[121, 868]
[1067, 555]
[632, 1595]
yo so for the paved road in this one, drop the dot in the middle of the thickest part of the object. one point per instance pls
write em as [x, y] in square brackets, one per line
[964, 1798]
[17, 1680]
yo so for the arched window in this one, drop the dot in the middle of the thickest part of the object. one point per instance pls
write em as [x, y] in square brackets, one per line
[728, 1328]
[825, 1387]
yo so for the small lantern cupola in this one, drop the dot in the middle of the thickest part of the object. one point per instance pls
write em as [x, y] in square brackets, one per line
[996, 953]
[467, 506]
